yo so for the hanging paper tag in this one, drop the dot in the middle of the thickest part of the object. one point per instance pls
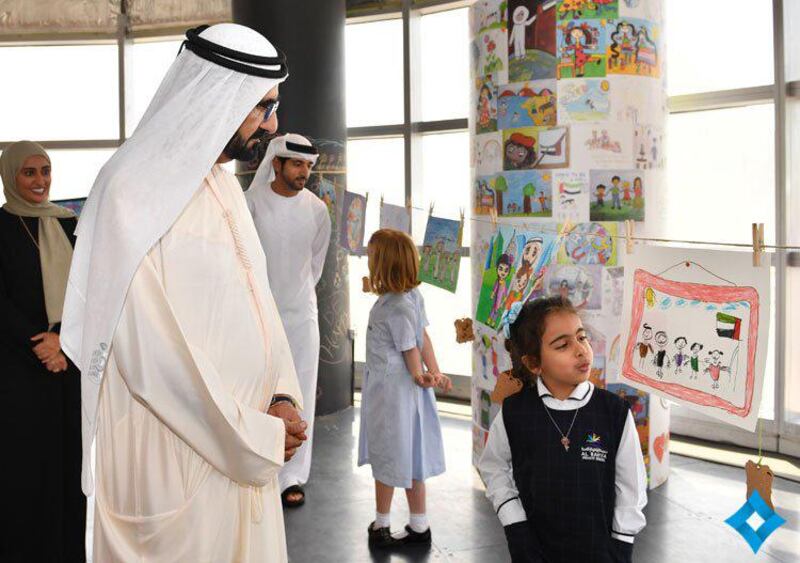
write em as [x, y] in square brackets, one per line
[464, 332]
[505, 387]
[759, 478]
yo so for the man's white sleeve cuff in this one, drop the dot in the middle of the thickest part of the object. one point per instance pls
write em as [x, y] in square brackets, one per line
[627, 538]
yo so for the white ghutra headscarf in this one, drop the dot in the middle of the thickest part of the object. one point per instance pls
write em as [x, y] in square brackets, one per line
[290, 145]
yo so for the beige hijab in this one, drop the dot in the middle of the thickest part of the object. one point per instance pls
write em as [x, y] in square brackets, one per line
[55, 250]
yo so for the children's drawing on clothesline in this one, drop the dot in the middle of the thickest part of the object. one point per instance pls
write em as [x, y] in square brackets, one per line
[531, 39]
[581, 49]
[632, 48]
[648, 145]
[589, 243]
[570, 196]
[526, 148]
[602, 145]
[395, 217]
[487, 15]
[513, 271]
[588, 9]
[694, 336]
[526, 193]
[490, 356]
[582, 285]
[441, 253]
[492, 55]
[488, 154]
[617, 195]
[486, 109]
[527, 104]
[583, 100]
[351, 236]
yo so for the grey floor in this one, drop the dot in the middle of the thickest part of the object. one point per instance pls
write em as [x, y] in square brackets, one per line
[685, 516]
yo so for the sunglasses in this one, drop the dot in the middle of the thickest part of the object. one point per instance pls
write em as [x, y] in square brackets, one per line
[269, 107]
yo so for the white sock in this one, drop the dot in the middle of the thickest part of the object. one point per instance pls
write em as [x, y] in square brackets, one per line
[382, 520]
[418, 522]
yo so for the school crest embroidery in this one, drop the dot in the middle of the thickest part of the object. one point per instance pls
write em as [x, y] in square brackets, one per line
[592, 449]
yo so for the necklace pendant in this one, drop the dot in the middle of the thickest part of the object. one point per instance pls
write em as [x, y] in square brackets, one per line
[565, 443]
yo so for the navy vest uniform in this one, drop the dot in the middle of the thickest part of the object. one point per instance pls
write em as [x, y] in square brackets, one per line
[568, 496]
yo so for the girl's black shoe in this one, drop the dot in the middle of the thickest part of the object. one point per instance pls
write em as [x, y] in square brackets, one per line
[381, 537]
[416, 538]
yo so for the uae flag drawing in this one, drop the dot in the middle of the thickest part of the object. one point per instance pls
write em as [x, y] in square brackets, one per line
[729, 326]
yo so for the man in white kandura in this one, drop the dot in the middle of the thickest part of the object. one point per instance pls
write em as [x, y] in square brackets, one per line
[187, 375]
[295, 229]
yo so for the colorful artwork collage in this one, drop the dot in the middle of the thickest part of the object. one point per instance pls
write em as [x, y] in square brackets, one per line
[552, 92]
[567, 131]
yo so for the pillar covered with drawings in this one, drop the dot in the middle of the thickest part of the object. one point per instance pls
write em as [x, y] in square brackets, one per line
[567, 129]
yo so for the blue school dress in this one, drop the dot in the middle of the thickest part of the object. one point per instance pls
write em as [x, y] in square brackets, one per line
[400, 434]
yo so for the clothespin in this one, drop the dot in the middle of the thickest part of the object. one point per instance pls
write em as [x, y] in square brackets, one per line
[629, 229]
[430, 213]
[366, 199]
[758, 243]
[566, 227]
[381, 200]
[461, 226]
[493, 217]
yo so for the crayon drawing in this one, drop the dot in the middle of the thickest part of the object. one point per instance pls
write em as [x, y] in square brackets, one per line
[527, 104]
[695, 326]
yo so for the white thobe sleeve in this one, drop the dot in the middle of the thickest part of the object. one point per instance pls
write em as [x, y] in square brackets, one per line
[319, 247]
[631, 485]
[495, 468]
[177, 382]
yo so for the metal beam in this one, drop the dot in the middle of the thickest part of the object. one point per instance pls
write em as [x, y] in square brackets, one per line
[721, 99]
[432, 6]
[83, 144]
[782, 347]
[373, 131]
[122, 29]
[445, 125]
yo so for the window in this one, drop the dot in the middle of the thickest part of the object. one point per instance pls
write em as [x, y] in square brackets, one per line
[720, 181]
[374, 63]
[74, 171]
[149, 62]
[701, 34]
[444, 71]
[57, 93]
[436, 130]
[724, 171]
[374, 166]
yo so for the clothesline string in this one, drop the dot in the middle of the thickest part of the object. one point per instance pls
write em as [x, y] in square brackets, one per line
[641, 239]
[621, 237]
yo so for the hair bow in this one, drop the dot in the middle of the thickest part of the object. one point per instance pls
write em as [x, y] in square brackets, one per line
[510, 317]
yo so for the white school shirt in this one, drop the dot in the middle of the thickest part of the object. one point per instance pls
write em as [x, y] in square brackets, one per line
[631, 476]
